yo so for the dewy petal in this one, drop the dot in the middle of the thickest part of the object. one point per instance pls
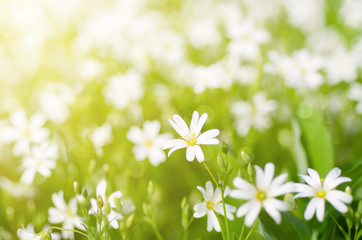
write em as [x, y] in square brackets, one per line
[252, 214]
[200, 123]
[311, 208]
[200, 210]
[194, 121]
[199, 154]
[182, 125]
[209, 134]
[190, 154]
[320, 209]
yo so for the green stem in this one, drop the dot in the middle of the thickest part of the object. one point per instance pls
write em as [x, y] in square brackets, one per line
[242, 231]
[155, 230]
[186, 232]
[225, 216]
[251, 230]
[72, 230]
[339, 226]
[212, 176]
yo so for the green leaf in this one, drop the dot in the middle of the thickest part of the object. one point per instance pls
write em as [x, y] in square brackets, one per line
[318, 141]
[299, 153]
[289, 227]
[355, 174]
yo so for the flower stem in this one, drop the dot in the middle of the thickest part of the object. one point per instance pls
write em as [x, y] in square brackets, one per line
[156, 231]
[251, 230]
[212, 176]
[242, 231]
[72, 230]
[225, 216]
[339, 226]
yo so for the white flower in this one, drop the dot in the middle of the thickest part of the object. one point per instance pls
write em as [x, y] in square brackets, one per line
[191, 138]
[27, 233]
[203, 77]
[213, 203]
[355, 94]
[24, 132]
[121, 90]
[101, 136]
[245, 40]
[148, 142]
[112, 216]
[351, 13]
[66, 214]
[55, 100]
[341, 65]
[263, 195]
[41, 159]
[254, 115]
[203, 32]
[321, 190]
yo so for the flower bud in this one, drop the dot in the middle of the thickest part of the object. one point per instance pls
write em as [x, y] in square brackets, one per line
[45, 235]
[100, 202]
[129, 221]
[348, 190]
[245, 158]
[85, 192]
[76, 188]
[225, 148]
[150, 188]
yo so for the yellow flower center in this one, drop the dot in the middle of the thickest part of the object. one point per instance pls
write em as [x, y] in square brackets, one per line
[260, 196]
[321, 194]
[70, 213]
[209, 204]
[191, 140]
[149, 143]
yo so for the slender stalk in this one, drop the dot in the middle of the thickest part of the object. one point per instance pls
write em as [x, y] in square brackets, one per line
[242, 231]
[186, 232]
[339, 226]
[225, 216]
[156, 231]
[212, 176]
[251, 230]
[72, 230]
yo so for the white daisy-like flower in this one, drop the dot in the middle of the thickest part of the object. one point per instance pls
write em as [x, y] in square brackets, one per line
[263, 195]
[29, 233]
[112, 216]
[24, 131]
[255, 115]
[66, 214]
[101, 136]
[191, 138]
[41, 159]
[321, 190]
[213, 203]
[148, 142]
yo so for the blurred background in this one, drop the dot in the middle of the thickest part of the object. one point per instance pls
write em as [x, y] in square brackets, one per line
[281, 80]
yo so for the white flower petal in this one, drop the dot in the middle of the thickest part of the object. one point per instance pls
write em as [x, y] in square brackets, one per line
[101, 189]
[252, 214]
[209, 134]
[210, 141]
[182, 125]
[190, 154]
[311, 209]
[200, 210]
[200, 124]
[199, 154]
[194, 121]
[320, 209]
